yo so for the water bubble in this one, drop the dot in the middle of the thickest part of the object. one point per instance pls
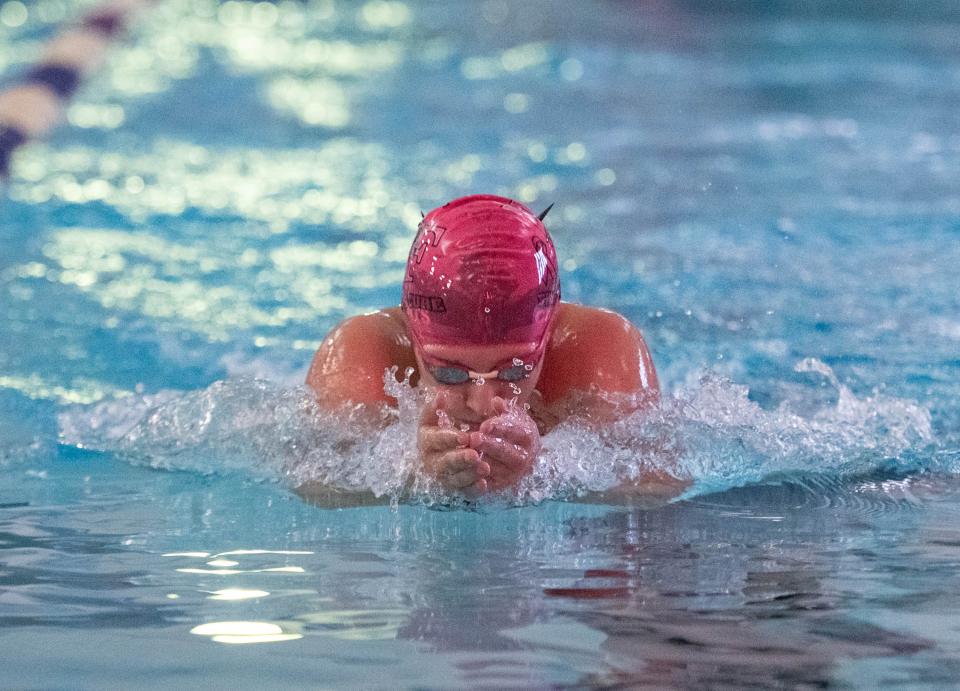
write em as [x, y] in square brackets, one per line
[517, 362]
[528, 367]
[464, 427]
[486, 310]
[515, 389]
[479, 381]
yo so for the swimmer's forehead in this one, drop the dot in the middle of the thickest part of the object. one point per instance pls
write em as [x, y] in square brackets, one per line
[481, 357]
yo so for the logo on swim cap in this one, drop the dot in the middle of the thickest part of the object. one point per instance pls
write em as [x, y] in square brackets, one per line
[541, 263]
[481, 270]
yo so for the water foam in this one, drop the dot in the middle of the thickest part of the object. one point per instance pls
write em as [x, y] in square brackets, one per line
[711, 435]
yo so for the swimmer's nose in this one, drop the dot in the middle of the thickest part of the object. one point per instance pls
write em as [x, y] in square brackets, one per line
[480, 397]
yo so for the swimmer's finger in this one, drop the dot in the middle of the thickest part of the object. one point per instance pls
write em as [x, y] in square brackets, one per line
[445, 463]
[431, 412]
[437, 439]
[509, 429]
[462, 468]
[500, 405]
[461, 480]
[477, 489]
[459, 460]
[500, 450]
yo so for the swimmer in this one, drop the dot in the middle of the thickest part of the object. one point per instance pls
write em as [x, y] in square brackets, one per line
[34, 106]
[482, 325]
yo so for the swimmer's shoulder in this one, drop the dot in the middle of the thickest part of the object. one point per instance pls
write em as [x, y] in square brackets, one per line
[599, 349]
[349, 364]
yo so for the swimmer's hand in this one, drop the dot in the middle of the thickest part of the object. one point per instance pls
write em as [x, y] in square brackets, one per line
[508, 442]
[445, 451]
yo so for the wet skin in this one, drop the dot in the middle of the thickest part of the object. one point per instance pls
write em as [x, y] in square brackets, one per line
[479, 435]
[591, 353]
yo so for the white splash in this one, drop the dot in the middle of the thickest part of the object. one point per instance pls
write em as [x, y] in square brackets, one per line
[712, 435]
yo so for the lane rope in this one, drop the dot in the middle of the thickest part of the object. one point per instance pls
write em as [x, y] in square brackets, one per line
[36, 102]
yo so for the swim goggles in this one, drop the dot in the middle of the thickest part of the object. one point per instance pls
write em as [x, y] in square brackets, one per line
[452, 375]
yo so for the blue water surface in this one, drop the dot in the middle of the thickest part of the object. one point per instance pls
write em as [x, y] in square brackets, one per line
[769, 190]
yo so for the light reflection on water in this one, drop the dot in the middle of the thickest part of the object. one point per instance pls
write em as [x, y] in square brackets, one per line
[232, 594]
[708, 591]
[753, 189]
[221, 566]
[367, 624]
[244, 632]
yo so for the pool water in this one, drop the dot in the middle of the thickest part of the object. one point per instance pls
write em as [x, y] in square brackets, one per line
[769, 190]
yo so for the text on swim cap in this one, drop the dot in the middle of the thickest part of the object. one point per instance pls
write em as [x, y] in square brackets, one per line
[429, 303]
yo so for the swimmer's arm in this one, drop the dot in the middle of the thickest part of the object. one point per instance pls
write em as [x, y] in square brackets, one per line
[600, 362]
[347, 372]
[348, 368]
[620, 381]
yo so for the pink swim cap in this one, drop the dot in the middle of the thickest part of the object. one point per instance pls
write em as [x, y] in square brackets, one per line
[482, 270]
